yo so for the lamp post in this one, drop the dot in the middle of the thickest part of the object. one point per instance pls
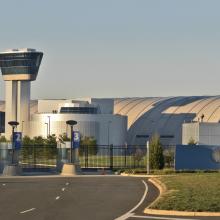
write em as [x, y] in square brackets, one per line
[13, 124]
[48, 125]
[71, 123]
[109, 122]
[47, 128]
[148, 157]
[22, 126]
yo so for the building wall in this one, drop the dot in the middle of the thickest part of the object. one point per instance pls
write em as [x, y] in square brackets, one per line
[197, 157]
[190, 131]
[106, 128]
[202, 133]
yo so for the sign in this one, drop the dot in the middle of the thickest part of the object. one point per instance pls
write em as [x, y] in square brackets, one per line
[17, 140]
[76, 139]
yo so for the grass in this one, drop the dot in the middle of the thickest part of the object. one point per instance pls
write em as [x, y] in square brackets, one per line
[190, 192]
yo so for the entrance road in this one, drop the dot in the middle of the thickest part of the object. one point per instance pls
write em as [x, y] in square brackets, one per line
[78, 198]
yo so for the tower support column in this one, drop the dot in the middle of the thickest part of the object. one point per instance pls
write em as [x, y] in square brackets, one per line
[10, 105]
[23, 106]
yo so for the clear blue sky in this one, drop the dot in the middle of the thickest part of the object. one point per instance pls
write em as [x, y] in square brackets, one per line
[117, 48]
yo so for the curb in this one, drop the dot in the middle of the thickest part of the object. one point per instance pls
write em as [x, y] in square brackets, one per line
[142, 175]
[162, 189]
[180, 213]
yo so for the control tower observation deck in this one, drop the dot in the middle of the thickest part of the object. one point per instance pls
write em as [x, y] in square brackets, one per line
[19, 67]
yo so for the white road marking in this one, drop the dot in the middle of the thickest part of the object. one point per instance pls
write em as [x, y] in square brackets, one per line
[130, 212]
[67, 184]
[63, 189]
[3, 184]
[58, 197]
[162, 218]
[28, 210]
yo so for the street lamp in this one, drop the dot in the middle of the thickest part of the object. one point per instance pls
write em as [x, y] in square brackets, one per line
[22, 126]
[48, 125]
[109, 122]
[47, 128]
[71, 123]
[13, 124]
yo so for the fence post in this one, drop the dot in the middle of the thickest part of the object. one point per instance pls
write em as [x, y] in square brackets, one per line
[111, 157]
[148, 157]
[86, 148]
[125, 154]
[35, 160]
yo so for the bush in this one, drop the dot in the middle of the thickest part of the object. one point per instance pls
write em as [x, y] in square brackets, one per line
[156, 153]
[39, 140]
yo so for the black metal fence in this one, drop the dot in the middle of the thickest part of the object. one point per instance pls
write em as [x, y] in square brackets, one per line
[50, 158]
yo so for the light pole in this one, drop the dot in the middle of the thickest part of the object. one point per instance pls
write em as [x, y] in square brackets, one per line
[47, 128]
[109, 122]
[148, 157]
[48, 125]
[22, 126]
[13, 124]
[71, 123]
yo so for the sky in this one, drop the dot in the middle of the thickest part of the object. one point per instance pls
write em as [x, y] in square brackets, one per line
[117, 48]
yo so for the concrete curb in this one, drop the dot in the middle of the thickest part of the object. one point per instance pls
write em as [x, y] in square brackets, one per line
[162, 188]
[143, 175]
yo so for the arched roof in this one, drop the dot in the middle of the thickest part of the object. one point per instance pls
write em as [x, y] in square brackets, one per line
[165, 115]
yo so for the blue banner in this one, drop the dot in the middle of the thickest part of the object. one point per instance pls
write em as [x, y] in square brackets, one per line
[76, 139]
[17, 140]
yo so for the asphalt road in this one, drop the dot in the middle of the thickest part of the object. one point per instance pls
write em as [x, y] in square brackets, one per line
[78, 198]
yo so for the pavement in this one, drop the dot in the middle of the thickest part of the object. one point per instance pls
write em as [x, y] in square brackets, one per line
[85, 197]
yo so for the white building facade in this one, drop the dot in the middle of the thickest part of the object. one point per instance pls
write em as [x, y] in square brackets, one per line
[94, 118]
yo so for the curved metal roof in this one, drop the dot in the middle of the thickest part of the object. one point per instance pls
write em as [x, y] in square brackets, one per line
[165, 115]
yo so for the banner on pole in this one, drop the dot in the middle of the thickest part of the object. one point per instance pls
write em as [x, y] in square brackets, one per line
[76, 139]
[17, 140]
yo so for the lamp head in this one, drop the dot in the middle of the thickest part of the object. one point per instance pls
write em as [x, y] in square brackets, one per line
[13, 123]
[71, 122]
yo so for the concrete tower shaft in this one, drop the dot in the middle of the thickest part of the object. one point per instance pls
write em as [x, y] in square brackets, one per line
[19, 67]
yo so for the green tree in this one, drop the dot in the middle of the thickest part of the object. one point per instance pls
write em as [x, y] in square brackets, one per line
[64, 137]
[51, 140]
[138, 155]
[156, 153]
[3, 139]
[26, 140]
[89, 143]
[169, 157]
[192, 141]
[38, 140]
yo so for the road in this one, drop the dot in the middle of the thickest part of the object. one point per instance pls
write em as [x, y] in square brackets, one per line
[78, 198]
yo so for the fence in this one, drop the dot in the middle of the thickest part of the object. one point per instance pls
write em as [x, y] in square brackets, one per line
[51, 158]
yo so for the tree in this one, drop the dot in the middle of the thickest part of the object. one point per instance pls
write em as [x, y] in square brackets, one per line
[192, 141]
[38, 140]
[26, 140]
[3, 139]
[64, 137]
[89, 143]
[156, 153]
[51, 140]
[138, 154]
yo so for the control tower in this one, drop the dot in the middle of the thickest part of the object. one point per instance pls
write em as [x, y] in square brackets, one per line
[19, 67]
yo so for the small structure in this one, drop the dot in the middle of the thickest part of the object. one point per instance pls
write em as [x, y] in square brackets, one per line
[202, 133]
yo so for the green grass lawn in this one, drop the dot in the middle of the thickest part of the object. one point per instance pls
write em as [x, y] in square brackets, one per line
[190, 192]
